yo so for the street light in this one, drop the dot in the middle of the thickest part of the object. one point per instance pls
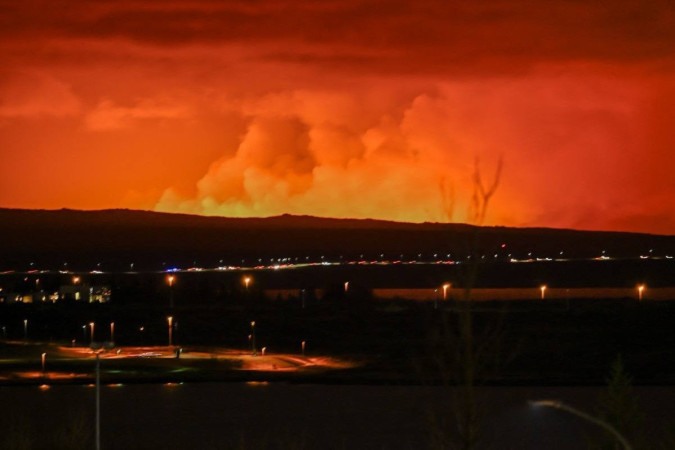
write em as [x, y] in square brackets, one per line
[247, 282]
[303, 347]
[112, 331]
[170, 279]
[587, 417]
[446, 286]
[44, 359]
[640, 290]
[76, 280]
[543, 291]
[91, 324]
[98, 402]
[253, 351]
[25, 329]
[169, 321]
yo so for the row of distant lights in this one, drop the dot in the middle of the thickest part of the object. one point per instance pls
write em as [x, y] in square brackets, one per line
[289, 262]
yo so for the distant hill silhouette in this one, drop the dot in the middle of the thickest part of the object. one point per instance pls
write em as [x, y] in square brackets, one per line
[116, 238]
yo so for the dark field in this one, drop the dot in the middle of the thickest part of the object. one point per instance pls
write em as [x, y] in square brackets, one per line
[561, 340]
[557, 342]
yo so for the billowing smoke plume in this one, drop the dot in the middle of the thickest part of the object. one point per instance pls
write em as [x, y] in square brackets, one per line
[411, 156]
[304, 157]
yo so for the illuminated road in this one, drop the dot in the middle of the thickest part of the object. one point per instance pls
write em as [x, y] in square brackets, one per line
[72, 363]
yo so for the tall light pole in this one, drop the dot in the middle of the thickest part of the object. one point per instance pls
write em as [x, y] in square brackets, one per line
[98, 402]
[44, 360]
[640, 290]
[170, 279]
[543, 291]
[247, 282]
[253, 351]
[169, 321]
[587, 417]
[25, 329]
[91, 325]
[112, 331]
[446, 286]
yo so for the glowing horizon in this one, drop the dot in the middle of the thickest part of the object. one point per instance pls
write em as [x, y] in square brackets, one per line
[356, 109]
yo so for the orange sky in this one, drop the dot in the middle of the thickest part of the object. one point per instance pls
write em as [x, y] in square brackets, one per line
[342, 108]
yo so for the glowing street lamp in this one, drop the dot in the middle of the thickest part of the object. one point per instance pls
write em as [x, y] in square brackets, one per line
[253, 351]
[76, 280]
[543, 291]
[112, 331]
[84, 334]
[446, 286]
[169, 321]
[346, 286]
[640, 290]
[170, 279]
[587, 417]
[25, 329]
[91, 325]
[247, 282]
[44, 360]
[302, 344]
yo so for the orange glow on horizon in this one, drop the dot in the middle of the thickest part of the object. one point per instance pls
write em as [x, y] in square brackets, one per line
[354, 114]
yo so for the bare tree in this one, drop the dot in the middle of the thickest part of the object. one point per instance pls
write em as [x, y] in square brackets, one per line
[460, 355]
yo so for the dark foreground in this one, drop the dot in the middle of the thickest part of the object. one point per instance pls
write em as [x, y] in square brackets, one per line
[291, 416]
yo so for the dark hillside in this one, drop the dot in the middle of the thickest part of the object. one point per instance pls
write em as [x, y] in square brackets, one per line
[153, 240]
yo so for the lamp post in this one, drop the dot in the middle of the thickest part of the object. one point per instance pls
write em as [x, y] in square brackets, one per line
[91, 325]
[587, 417]
[543, 291]
[640, 290]
[169, 321]
[84, 334]
[170, 279]
[98, 402]
[302, 344]
[44, 360]
[446, 286]
[247, 282]
[112, 331]
[253, 351]
[25, 329]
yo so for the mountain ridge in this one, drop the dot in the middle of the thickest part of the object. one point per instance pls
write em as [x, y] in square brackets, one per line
[118, 237]
[296, 220]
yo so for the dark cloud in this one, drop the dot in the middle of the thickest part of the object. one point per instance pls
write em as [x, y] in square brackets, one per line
[422, 36]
